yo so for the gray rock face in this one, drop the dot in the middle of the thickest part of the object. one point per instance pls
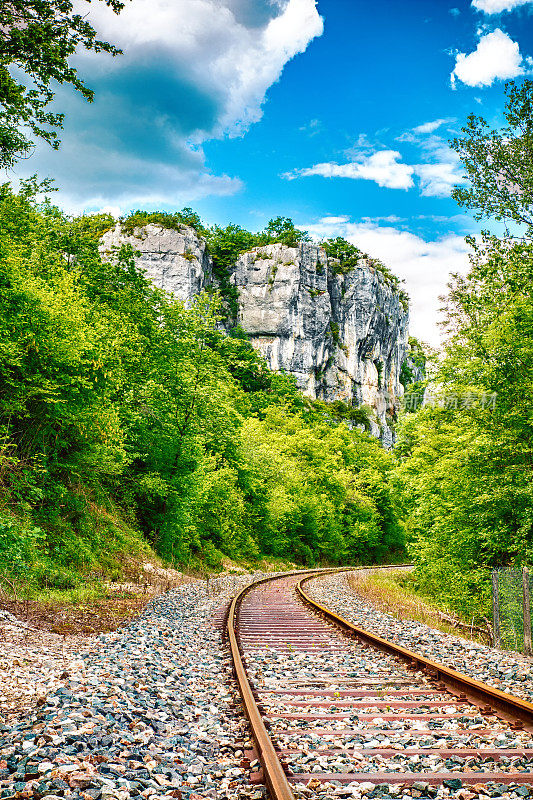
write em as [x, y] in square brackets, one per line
[175, 261]
[343, 337]
[285, 307]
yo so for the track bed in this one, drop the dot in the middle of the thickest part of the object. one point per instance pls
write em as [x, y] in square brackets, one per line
[340, 713]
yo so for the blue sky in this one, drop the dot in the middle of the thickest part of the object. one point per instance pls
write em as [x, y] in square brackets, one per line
[334, 113]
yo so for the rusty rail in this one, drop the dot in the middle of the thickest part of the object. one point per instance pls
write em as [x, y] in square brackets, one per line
[274, 774]
[508, 707]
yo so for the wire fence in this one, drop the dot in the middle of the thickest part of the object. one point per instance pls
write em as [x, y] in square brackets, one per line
[512, 588]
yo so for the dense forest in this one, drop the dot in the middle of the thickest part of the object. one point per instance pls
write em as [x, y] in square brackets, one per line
[129, 422]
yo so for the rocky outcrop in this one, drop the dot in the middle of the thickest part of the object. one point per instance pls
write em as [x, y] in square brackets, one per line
[285, 307]
[174, 260]
[343, 336]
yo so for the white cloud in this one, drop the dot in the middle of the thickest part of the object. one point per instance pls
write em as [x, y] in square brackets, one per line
[147, 173]
[424, 265]
[335, 220]
[228, 59]
[438, 180]
[312, 128]
[497, 6]
[383, 167]
[496, 57]
[192, 70]
[430, 127]
[440, 170]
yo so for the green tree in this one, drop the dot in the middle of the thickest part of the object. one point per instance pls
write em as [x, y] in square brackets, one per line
[499, 163]
[225, 246]
[282, 229]
[37, 37]
[173, 220]
[468, 464]
[344, 253]
[128, 421]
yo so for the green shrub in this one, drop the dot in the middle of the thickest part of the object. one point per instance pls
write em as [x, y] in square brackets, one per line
[21, 545]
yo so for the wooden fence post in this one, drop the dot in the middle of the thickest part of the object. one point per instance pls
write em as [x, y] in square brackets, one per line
[496, 608]
[527, 612]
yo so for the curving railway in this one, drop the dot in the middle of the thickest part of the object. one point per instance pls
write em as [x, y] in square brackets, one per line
[332, 707]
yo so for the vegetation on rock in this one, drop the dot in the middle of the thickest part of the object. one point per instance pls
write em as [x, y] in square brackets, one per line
[346, 256]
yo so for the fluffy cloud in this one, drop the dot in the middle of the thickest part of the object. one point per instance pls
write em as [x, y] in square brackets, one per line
[383, 167]
[424, 265]
[129, 177]
[334, 220]
[497, 6]
[192, 70]
[438, 180]
[441, 170]
[220, 46]
[496, 57]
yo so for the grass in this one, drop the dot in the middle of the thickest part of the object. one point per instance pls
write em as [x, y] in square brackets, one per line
[99, 605]
[102, 574]
[86, 609]
[389, 591]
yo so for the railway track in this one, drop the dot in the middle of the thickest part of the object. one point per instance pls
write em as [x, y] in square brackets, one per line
[332, 707]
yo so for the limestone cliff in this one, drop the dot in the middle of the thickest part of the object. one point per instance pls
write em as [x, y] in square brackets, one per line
[343, 336]
[176, 261]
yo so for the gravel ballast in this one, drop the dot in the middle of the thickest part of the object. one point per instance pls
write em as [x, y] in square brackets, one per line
[149, 712]
[352, 752]
[507, 671]
[337, 707]
[32, 662]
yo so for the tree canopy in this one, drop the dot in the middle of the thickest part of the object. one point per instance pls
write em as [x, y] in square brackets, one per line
[465, 463]
[129, 422]
[499, 163]
[37, 38]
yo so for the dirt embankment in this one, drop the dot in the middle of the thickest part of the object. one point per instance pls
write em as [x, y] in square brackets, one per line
[41, 642]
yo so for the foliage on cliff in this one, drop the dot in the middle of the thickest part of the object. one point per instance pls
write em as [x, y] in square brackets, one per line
[345, 256]
[225, 245]
[129, 423]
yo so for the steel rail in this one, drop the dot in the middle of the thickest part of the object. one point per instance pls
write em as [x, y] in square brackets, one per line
[510, 708]
[273, 772]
